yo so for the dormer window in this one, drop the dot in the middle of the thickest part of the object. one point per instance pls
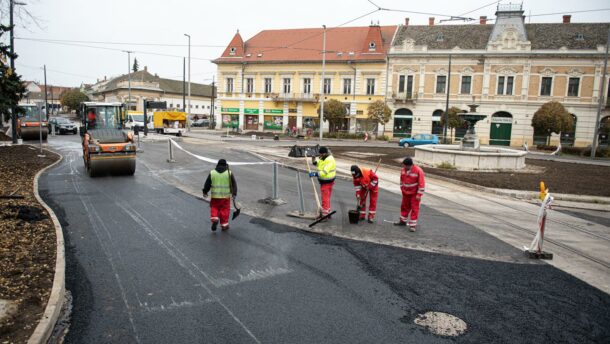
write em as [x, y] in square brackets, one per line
[372, 46]
[232, 51]
[440, 37]
[579, 37]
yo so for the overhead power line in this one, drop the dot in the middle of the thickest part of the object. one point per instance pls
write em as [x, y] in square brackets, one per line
[54, 71]
[120, 43]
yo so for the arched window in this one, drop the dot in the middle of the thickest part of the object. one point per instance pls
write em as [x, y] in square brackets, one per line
[403, 122]
[372, 46]
[501, 128]
[232, 51]
[437, 127]
[604, 131]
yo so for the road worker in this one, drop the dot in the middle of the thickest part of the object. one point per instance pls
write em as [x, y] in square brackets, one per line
[366, 184]
[412, 185]
[222, 184]
[326, 177]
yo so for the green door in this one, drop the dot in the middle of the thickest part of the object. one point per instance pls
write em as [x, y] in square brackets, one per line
[500, 134]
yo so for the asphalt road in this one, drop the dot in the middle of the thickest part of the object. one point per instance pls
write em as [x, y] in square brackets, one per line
[144, 267]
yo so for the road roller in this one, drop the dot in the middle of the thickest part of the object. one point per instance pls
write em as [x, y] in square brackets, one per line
[31, 123]
[107, 148]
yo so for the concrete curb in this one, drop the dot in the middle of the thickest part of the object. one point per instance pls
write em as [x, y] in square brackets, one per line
[56, 299]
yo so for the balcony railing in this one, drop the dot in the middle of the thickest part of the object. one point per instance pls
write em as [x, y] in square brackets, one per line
[296, 97]
[404, 97]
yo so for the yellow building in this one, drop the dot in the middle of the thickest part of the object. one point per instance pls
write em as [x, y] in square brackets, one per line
[273, 81]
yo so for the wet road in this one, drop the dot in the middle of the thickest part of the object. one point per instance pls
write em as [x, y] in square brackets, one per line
[143, 267]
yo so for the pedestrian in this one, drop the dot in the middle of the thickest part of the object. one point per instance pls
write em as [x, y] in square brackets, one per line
[326, 177]
[366, 184]
[412, 185]
[222, 184]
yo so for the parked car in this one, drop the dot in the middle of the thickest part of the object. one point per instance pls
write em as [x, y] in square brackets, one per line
[419, 139]
[62, 125]
[204, 122]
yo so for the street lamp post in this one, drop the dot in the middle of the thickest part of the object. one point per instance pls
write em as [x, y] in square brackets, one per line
[601, 97]
[189, 89]
[323, 77]
[128, 79]
[12, 4]
[446, 114]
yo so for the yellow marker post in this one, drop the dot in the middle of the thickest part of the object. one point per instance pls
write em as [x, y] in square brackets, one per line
[543, 191]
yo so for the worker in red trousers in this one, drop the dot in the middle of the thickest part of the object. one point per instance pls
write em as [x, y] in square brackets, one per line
[366, 184]
[221, 182]
[412, 185]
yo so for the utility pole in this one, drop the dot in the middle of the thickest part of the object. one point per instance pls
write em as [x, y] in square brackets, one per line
[14, 109]
[212, 116]
[323, 77]
[446, 115]
[184, 84]
[188, 118]
[602, 96]
[46, 108]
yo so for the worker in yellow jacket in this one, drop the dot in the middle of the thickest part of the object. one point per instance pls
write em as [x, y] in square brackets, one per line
[326, 177]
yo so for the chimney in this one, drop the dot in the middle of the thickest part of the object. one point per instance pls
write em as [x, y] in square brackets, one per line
[483, 20]
[431, 21]
[407, 21]
[567, 18]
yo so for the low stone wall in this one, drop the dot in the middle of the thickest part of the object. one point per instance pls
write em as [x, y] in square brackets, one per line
[486, 159]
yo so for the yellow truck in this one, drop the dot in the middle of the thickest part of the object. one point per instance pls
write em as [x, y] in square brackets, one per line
[170, 122]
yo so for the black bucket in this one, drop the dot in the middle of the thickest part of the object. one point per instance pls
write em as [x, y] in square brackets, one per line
[354, 216]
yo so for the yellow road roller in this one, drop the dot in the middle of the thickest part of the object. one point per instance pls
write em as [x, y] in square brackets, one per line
[107, 148]
[31, 123]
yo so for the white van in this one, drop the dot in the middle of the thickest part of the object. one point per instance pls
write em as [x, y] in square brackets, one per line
[136, 119]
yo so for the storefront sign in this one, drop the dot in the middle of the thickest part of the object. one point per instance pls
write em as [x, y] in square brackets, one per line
[274, 111]
[224, 109]
[251, 111]
[501, 120]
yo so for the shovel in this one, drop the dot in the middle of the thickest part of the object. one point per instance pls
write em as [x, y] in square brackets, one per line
[237, 209]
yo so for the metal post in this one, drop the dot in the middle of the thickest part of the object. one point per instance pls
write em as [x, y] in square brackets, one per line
[212, 118]
[171, 152]
[184, 84]
[602, 95]
[46, 109]
[323, 77]
[301, 196]
[189, 95]
[446, 115]
[275, 180]
[145, 120]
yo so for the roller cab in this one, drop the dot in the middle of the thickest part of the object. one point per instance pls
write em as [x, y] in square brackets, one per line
[31, 123]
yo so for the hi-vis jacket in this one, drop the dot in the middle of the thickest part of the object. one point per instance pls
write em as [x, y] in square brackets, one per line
[367, 181]
[412, 181]
[326, 169]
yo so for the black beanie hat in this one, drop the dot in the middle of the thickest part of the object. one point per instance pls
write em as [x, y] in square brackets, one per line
[323, 150]
[408, 161]
[356, 170]
[222, 162]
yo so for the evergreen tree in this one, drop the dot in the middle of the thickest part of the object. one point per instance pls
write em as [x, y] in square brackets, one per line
[11, 85]
[136, 66]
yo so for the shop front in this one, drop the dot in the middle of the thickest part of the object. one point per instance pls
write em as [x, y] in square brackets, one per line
[274, 119]
[251, 119]
[230, 117]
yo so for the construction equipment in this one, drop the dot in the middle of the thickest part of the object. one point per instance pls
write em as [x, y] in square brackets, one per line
[32, 123]
[107, 149]
[170, 122]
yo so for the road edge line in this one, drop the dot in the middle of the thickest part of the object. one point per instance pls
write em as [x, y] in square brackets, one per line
[45, 326]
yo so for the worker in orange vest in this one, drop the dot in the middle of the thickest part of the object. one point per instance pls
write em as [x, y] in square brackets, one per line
[412, 185]
[366, 183]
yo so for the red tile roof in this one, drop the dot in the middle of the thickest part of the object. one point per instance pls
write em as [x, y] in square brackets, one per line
[305, 45]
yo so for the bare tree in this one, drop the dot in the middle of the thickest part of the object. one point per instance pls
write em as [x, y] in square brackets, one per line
[22, 16]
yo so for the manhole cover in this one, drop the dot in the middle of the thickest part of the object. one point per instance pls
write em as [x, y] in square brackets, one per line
[442, 324]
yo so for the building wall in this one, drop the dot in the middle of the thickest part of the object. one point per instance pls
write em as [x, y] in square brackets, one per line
[200, 106]
[295, 107]
[485, 70]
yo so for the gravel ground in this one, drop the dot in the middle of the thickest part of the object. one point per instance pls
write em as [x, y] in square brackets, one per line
[27, 242]
[559, 177]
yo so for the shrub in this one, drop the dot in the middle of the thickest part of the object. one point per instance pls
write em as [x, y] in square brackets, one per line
[546, 147]
[446, 165]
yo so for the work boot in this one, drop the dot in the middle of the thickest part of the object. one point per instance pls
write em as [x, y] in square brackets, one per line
[412, 228]
[400, 223]
[370, 221]
[224, 228]
[214, 226]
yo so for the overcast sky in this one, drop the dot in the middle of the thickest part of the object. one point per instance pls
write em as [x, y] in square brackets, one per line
[211, 23]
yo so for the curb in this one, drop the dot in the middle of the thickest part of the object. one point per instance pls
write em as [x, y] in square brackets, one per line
[54, 304]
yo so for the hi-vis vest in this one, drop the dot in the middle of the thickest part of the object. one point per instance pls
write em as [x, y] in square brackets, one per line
[221, 184]
[326, 168]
